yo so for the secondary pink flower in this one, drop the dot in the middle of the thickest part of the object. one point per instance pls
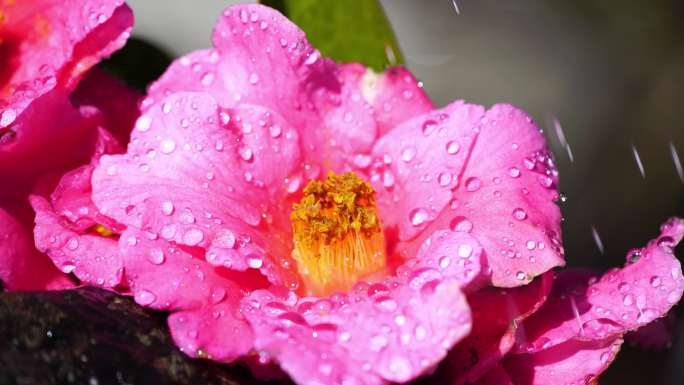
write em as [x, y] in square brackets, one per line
[578, 331]
[45, 47]
[228, 139]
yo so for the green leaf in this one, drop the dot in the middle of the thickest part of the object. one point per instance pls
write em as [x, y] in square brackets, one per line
[346, 30]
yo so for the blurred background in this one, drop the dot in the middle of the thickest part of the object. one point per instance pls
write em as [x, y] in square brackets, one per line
[604, 79]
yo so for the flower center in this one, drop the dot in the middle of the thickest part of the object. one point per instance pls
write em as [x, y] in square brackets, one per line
[338, 236]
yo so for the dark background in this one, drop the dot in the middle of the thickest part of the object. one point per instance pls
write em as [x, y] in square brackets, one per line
[610, 71]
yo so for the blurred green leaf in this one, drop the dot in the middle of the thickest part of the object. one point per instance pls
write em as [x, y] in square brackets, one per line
[346, 30]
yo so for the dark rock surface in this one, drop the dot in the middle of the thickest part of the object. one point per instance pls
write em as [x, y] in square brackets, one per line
[94, 337]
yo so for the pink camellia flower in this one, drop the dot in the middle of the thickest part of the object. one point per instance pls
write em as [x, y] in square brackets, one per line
[45, 48]
[287, 209]
[48, 122]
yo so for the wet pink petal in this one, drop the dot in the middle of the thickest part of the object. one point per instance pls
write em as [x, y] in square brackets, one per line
[378, 332]
[46, 46]
[495, 376]
[262, 58]
[496, 316]
[165, 276]
[447, 254]
[65, 231]
[395, 96]
[22, 267]
[441, 171]
[419, 163]
[621, 300]
[49, 44]
[50, 135]
[205, 176]
[117, 102]
[572, 362]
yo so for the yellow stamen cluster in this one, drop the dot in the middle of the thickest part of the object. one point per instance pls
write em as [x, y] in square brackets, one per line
[338, 236]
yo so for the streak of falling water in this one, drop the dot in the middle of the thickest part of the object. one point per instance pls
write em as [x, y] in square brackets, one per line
[677, 162]
[637, 158]
[575, 311]
[597, 238]
[389, 52]
[455, 3]
[560, 134]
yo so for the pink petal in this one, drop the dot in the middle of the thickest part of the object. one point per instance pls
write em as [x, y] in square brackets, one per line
[261, 58]
[488, 174]
[22, 267]
[164, 276]
[448, 254]
[117, 102]
[378, 332]
[571, 362]
[50, 135]
[419, 163]
[495, 376]
[63, 232]
[496, 316]
[205, 176]
[46, 47]
[48, 43]
[392, 330]
[621, 300]
[395, 95]
[213, 331]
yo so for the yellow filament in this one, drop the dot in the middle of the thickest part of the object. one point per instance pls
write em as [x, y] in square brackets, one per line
[338, 236]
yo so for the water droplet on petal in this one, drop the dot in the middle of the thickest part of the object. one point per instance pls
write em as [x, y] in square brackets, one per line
[519, 214]
[429, 126]
[254, 261]
[408, 153]
[167, 146]
[514, 172]
[193, 237]
[452, 147]
[145, 297]
[473, 184]
[143, 124]
[418, 216]
[461, 224]
[156, 256]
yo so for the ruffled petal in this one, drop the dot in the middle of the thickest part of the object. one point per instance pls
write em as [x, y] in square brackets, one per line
[200, 175]
[497, 314]
[488, 174]
[65, 231]
[206, 322]
[572, 362]
[584, 307]
[22, 267]
[385, 331]
[377, 333]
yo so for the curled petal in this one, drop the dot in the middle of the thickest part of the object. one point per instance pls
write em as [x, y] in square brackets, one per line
[497, 314]
[65, 231]
[570, 362]
[584, 307]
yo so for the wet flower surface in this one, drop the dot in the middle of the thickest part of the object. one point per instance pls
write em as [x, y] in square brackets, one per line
[290, 210]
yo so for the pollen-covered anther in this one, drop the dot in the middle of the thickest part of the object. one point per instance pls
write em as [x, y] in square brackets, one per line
[338, 236]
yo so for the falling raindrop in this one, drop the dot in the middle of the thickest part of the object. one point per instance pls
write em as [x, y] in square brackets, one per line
[637, 158]
[677, 162]
[597, 238]
[456, 8]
